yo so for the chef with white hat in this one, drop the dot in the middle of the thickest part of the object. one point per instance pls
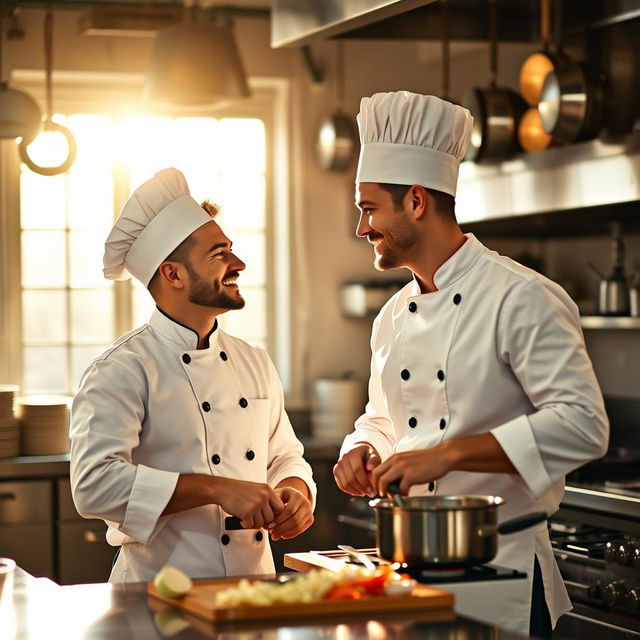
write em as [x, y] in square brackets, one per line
[480, 381]
[179, 426]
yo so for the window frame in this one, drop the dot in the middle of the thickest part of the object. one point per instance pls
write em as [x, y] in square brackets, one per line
[81, 92]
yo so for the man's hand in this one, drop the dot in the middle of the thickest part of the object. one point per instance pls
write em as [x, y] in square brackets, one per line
[409, 468]
[296, 517]
[353, 471]
[255, 503]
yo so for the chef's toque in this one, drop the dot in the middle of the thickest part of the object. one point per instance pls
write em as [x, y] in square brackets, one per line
[158, 216]
[408, 138]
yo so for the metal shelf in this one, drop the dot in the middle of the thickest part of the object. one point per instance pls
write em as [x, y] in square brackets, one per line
[609, 322]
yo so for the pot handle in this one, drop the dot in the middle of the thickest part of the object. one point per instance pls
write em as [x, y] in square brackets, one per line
[523, 522]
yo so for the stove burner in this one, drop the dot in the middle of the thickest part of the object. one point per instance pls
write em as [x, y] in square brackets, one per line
[452, 572]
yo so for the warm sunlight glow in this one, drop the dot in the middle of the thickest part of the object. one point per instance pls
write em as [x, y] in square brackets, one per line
[49, 149]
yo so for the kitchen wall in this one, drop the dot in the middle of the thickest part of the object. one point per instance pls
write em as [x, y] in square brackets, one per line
[328, 343]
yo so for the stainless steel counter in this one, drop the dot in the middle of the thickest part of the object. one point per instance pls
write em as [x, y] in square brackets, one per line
[38, 608]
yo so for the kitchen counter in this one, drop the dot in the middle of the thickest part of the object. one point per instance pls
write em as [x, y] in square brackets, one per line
[39, 608]
[24, 467]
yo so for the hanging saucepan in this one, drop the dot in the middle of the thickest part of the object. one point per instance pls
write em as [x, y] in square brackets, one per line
[531, 136]
[538, 64]
[336, 141]
[443, 531]
[573, 102]
[496, 110]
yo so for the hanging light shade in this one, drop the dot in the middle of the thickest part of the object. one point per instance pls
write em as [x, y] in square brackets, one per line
[20, 115]
[194, 66]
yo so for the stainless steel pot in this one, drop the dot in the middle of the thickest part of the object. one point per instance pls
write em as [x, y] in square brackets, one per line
[443, 531]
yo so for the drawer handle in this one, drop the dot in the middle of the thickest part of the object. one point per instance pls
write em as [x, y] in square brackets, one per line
[93, 537]
[7, 496]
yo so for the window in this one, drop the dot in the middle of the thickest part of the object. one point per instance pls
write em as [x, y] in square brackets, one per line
[70, 313]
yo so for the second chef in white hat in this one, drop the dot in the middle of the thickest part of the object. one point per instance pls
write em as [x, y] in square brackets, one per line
[480, 381]
[179, 433]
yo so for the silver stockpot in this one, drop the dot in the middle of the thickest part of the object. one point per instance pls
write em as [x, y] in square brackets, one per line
[443, 531]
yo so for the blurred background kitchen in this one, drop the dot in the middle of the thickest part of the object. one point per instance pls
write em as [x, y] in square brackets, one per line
[261, 121]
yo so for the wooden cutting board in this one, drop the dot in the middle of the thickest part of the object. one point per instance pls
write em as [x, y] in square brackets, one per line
[200, 601]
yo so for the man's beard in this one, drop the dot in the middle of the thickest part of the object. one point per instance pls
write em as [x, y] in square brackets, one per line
[203, 293]
[388, 257]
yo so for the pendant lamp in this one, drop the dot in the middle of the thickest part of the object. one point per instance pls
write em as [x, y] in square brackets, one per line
[195, 66]
[20, 115]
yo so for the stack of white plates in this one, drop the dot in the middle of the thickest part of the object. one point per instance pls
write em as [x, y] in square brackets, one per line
[45, 425]
[337, 403]
[9, 425]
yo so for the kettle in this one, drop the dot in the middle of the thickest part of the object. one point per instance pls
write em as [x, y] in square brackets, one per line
[613, 297]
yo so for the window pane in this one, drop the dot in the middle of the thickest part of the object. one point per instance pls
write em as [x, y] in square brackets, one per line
[249, 247]
[42, 201]
[43, 259]
[91, 201]
[143, 305]
[243, 202]
[44, 316]
[248, 323]
[94, 137]
[86, 251]
[92, 316]
[243, 145]
[45, 370]
[81, 358]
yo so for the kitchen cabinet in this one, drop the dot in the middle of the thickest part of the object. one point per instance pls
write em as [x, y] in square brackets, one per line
[26, 528]
[83, 554]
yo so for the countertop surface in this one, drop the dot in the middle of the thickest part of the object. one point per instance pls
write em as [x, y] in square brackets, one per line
[25, 467]
[38, 608]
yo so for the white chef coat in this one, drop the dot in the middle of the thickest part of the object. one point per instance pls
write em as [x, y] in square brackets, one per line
[154, 406]
[497, 348]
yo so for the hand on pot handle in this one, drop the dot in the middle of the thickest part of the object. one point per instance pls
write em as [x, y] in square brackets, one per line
[353, 471]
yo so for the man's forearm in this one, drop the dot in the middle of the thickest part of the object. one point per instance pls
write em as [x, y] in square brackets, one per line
[481, 454]
[295, 483]
[192, 490]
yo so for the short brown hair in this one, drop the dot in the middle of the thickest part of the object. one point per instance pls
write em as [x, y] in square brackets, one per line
[181, 252]
[445, 203]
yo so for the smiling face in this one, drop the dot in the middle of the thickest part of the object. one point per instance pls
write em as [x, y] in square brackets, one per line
[213, 269]
[390, 230]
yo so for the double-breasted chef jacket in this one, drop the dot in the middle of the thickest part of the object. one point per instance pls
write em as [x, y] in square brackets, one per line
[154, 406]
[497, 348]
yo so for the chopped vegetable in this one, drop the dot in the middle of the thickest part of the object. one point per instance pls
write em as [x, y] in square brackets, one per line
[172, 583]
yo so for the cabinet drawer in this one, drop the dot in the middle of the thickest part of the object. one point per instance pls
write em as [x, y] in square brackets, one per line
[83, 553]
[27, 501]
[66, 508]
[30, 546]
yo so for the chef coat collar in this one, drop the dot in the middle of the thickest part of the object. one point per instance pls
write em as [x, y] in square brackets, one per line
[179, 333]
[455, 266]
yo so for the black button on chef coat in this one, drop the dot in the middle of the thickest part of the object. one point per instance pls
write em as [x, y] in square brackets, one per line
[250, 455]
[413, 422]
[440, 375]
[404, 374]
[457, 299]
[243, 403]
[206, 406]
[215, 458]
[259, 536]
[413, 307]
[186, 358]
[432, 486]
[223, 355]
[443, 423]
[225, 539]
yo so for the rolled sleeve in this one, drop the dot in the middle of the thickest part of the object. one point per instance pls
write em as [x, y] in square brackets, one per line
[540, 339]
[518, 442]
[285, 453]
[152, 489]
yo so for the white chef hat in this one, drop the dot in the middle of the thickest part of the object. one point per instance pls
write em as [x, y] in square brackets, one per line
[408, 138]
[158, 216]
